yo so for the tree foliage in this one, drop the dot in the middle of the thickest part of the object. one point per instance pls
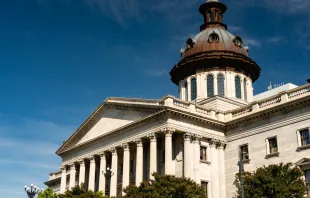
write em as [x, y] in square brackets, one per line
[273, 181]
[81, 192]
[165, 186]
[47, 193]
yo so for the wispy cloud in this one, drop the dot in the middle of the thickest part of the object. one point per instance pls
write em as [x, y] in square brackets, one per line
[276, 39]
[235, 29]
[252, 42]
[156, 72]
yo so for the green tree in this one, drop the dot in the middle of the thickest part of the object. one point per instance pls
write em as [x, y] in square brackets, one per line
[165, 186]
[273, 181]
[81, 192]
[47, 193]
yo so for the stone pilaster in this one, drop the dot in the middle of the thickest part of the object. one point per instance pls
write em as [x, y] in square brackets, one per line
[222, 180]
[214, 170]
[169, 170]
[196, 160]
[139, 163]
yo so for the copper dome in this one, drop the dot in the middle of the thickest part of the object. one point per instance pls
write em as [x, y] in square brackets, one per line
[203, 42]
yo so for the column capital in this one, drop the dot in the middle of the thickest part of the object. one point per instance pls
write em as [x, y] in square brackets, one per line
[221, 144]
[113, 151]
[139, 143]
[197, 138]
[168, 131]
[101, 154]
[187, 136]
[213, 142]
[63, 168]
[125, 147]
[91, 159]
[152, 137]
[72, 166]
[81, 162]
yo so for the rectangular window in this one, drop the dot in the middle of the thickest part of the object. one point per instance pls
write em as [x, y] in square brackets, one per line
[244, 152]
[307, 175]
[304, 137]
[204, 186]
[203, 153]
[273, 145]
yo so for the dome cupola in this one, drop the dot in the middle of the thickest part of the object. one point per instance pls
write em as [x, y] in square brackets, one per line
[217, 52]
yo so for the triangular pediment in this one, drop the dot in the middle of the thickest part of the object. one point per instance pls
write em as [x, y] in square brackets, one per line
[112, 114]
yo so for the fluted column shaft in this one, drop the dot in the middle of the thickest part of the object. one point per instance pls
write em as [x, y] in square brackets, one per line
[188, 166]
[82, 173]
[168, 152]
[222, 180]
[101, 173]
[113, 185]
[214, 171]
[139, 163]
[72, 176]
[126, 164]
[63, 181]
[153, 155]
[92, 169]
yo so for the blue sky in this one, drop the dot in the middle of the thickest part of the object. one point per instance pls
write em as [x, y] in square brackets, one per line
[59, 59]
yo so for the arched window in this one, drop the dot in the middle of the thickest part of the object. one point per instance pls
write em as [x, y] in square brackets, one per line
[210, 85]
[186, 91]
[238, 87]
[193, 89]
[215, 15]
[245, 89]
[220, 85]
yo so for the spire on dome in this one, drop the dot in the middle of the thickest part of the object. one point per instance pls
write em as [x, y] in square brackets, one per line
[212, 12]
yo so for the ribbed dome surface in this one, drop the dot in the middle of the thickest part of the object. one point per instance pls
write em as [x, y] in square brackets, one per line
[225, 42]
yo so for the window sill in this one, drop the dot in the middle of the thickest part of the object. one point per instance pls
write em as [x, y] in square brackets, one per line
[276, 154]
[204, 162]
[303, 147]
[247, 161]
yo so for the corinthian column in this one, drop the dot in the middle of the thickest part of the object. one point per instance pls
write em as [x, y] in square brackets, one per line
[214, 170]
[126, 162]
[139, 163]
[222, 170]
[92, 169]
[188, 156]
[153, 155]
[72, 176]
[82, 173]
[168, 151]
[101, 172]
[113, 185]
[196, 161]
[63, 181]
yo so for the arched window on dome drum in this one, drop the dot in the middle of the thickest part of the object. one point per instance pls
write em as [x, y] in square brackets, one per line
[220, 85]
[209, 16]
[245, 89]
[215, 15]
[193, 89]
[210, 85]
[186, 91]
[238, 87]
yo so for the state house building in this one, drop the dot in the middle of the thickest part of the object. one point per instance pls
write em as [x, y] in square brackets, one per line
[215, 122]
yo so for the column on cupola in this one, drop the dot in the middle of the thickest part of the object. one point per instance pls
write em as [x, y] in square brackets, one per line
[72, 175]
[92, 171]
[196, 160]
[114, 175]
[82, 172]
[222, 170]
[214, 170]
[198, 86]
[188, 156]
[153, 155]
[139, 162]
[242, 88]
[168, 151]
[102, 169]
[63, 181]
[126, 164]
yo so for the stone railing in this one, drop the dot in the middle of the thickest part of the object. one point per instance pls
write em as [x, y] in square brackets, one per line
[278, 99]
[299, 91]
[180, 103]
[55, 175]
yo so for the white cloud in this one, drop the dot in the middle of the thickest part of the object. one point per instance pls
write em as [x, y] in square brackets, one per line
[252, 42]
[156, 72]
[276, 39]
